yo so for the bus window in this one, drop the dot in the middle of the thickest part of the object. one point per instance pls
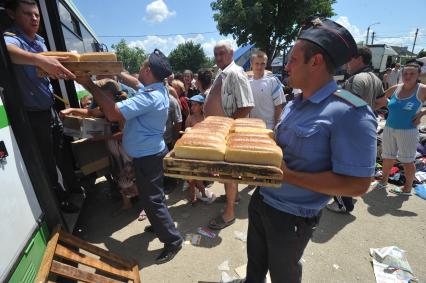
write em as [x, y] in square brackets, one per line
[69, 20]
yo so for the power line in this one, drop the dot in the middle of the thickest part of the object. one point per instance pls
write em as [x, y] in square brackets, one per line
[170, 34]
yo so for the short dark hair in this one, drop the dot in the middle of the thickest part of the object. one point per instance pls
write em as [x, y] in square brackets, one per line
[14, 4]
[414, 64]
[205, 77]
[365, 53]
[310, 49]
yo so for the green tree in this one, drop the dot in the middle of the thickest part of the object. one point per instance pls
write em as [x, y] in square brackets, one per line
[132, 58]
[188, 55]
[270, 25]
[422, 53]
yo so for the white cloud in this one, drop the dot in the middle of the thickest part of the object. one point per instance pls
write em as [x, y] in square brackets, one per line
[157, 11]
[353, 29]
[167, 43]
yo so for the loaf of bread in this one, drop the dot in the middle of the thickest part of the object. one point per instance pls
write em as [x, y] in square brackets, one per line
[71, 57]
[250, 139]
[226, 120]
[250, 121]
[254, 153]
[98, 56]
[199, 148]
[238, 130]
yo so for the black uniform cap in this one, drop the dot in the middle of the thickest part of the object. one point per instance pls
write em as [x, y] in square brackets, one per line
[159, 65]
[336, 40]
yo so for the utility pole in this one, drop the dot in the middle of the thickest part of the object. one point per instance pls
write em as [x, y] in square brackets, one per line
[415, 38]
[368, 31]
[372, 38]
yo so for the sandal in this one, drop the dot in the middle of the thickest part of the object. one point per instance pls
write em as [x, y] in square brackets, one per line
[223, 199]
[400, 192]
[218, 223]
[142, 216]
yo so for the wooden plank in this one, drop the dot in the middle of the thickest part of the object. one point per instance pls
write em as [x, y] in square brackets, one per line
[74, 241]
[221, 171]
[43, 272]
[224, 179]
[136, 276]
[77, 274]
[89, 68]
[92, 262]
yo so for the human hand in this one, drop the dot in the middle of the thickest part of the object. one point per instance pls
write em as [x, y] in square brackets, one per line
[418, 117]
[64, 113]
[53, 66]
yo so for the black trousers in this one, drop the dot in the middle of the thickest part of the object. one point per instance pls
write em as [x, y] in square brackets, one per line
[275, 242]
[42, 125]
[149, 179]
[346, 202]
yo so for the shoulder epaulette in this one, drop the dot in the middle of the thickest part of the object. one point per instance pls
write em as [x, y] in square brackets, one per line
[8, 33]
[148, 89]
[350, 98]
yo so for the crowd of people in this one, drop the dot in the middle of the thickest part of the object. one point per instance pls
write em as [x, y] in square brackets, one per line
[326, 132]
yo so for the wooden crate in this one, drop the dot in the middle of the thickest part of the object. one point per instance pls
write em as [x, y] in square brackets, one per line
[90, 68]
[220, 171]
[64, 246]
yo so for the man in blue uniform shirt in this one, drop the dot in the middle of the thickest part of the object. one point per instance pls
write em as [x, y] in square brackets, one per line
[145, 116]
[328, 137]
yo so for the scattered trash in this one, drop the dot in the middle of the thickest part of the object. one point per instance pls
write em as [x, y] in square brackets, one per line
[193, 239]
[420, 190]
[206, 232]
[335, 266]
[224, 266]
[241, 271]
[390, 265]
[225, 278]
[240, 236]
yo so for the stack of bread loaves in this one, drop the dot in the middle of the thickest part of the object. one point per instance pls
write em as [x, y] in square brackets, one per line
[225, 139]
[250, 142]
[85, 57]
[205, 141]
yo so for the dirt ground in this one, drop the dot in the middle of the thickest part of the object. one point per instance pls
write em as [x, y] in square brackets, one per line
[338, 252]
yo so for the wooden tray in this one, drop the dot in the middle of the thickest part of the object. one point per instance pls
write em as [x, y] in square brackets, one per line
[220, 171]
[89, 68]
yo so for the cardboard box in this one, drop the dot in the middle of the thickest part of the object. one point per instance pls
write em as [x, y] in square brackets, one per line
[82, 128]
[91, 156]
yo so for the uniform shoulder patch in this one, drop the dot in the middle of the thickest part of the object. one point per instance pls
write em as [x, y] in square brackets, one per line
[350, 98]
[148, 89]
[8, 33]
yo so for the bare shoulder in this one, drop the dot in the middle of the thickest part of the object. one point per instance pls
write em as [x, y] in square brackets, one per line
[422, 92]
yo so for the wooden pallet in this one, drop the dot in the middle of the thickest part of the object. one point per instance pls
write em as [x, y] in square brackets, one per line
[220, 171]
[66, 246]
[89, 68]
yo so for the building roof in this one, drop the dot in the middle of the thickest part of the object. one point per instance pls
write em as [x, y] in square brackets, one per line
[403, 51]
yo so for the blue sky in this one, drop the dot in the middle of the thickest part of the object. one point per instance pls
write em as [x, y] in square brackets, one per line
[165, 23]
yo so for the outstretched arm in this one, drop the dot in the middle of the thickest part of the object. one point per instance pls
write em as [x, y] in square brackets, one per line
[50, 64]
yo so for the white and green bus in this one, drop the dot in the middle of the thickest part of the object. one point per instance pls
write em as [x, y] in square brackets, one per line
[28, 210]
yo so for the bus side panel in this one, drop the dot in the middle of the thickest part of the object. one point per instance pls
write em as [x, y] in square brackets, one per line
[28, 266]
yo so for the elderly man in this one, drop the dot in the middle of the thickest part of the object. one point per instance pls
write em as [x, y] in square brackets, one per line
[23, 44]
[328, 137]
[229, 96]
[145, 116]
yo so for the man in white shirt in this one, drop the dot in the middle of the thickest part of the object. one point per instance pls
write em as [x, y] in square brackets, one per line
[267, 91]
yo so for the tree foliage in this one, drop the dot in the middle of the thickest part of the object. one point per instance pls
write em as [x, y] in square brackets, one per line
[188, 55]
[271, 25]
[132, 58]
[422, 53]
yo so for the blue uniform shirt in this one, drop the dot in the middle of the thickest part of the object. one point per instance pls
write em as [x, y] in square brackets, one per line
[146, 115]
[37, 92]
[322, 133]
